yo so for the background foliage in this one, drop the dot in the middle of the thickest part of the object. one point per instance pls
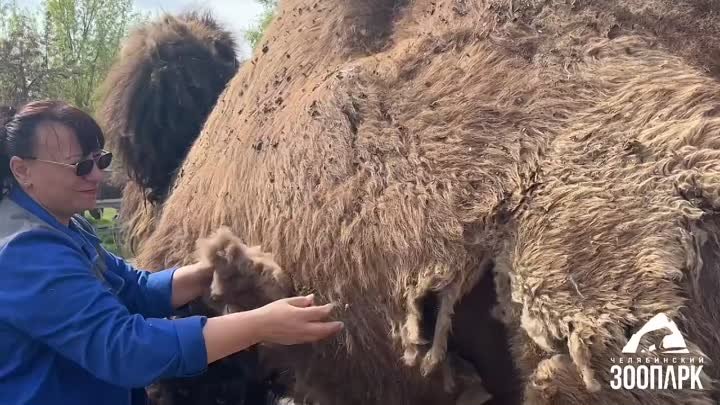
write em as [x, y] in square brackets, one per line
[64, 48]
[61, 49]
[254, 34]
[106, 229]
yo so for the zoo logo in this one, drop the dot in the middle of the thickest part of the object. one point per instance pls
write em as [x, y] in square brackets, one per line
[649, 371]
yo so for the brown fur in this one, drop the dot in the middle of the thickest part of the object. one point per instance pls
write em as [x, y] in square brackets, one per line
[155, 100]
[244, 277]
[389, 164]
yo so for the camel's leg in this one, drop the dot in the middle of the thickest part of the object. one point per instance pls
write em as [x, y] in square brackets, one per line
[436, 354]
[446, 288]
[580, 354]
[578, 345]
[551, 376]
[410, 333]
[449, 289]
[448, 297]
[536, 330]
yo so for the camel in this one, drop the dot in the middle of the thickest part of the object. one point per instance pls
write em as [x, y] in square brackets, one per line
[497, 193]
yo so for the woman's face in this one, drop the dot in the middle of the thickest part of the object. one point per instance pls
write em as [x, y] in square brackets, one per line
[54, 185]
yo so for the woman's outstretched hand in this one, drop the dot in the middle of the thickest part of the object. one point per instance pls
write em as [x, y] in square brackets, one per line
[296, 320]
[286, 321]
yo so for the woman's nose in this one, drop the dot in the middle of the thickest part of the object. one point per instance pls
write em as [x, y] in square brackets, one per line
[95, 175]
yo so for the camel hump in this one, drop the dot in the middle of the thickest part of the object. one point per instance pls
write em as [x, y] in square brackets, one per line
[159, 92]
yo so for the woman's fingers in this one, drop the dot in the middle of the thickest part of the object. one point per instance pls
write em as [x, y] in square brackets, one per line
[316, 325]
[318, 313]
[301, 302]
[296, 320]
[322, 330]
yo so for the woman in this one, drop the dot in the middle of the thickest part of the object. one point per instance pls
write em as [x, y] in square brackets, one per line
[79, 325]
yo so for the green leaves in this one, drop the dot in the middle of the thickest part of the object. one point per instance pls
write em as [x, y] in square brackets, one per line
[84, 38]
[255, 34]
[63, 49]
[106, 228]
[23, 68]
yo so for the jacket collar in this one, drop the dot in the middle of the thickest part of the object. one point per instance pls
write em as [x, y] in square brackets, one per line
[21, 198]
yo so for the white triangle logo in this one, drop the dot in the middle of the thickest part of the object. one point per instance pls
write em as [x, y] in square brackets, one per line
[671, 343]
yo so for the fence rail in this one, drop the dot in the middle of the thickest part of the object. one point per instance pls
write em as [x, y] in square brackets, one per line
[109, 203]
[107, 228]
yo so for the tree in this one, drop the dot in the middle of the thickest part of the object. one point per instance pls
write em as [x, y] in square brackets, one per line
[84, 37]
[24, 71]
[62, 49]
[255, 34]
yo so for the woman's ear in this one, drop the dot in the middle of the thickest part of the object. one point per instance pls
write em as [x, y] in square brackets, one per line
[21, 171]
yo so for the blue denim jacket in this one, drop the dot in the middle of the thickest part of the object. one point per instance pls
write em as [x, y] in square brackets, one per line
[79, 325]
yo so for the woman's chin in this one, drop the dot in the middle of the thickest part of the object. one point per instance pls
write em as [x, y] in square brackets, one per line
[90, 196]
[89, 202]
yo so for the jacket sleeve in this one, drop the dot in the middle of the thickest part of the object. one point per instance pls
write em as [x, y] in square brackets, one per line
[60, 302]
[146, 293]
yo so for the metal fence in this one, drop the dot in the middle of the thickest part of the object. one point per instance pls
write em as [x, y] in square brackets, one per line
[108, 232]
[109, 203]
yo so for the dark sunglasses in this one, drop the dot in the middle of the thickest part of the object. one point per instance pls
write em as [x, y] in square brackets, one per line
[85, 166]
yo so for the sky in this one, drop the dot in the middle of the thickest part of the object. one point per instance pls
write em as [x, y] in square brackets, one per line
[236, 15]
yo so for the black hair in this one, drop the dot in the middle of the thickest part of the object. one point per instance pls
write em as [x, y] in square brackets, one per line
[17, 131]
[159, 93]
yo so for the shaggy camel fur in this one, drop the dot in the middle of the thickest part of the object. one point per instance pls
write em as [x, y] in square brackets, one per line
[155, 100]
[408, 160]
[253, 275]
